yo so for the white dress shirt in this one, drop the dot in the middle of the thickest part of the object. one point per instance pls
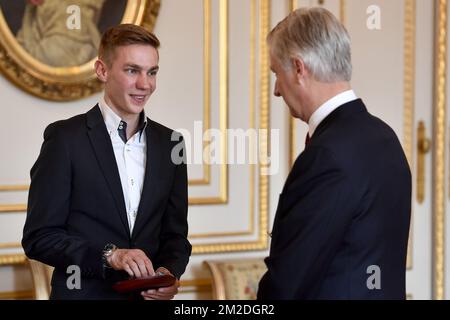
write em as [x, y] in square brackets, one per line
[131, 159]
[328, 107]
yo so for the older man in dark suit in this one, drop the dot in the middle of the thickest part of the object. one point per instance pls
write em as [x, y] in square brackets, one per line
[342, 222]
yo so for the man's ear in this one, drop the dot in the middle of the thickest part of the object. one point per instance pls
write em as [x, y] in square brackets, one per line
[299, 68]
[101, 70]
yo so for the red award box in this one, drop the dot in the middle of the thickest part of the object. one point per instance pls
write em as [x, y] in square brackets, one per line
[142, 284]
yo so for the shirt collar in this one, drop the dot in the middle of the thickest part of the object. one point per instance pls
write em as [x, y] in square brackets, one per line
[328, 107]
[112, 120]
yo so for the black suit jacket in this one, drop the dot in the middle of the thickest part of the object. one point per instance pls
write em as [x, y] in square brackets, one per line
[344, 211]
[76, 205]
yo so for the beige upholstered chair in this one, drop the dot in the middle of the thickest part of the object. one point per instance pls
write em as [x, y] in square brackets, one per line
[42, 275]
[236, 279]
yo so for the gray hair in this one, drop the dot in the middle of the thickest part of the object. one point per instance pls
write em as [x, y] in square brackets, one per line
[317, 37]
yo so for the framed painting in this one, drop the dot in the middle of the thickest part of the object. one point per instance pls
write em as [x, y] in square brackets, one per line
[48, 47]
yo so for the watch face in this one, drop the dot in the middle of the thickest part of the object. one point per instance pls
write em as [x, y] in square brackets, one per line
[109, 248]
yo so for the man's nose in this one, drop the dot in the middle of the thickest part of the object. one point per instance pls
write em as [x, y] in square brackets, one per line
[143, 82]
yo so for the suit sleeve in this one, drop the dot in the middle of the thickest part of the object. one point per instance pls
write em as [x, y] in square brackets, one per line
[45, 237]
[175, 248]
[313, 214]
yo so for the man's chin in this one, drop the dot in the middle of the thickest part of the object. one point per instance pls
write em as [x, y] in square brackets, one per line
[293, 113]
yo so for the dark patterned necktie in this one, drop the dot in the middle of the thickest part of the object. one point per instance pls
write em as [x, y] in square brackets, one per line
[123, 131]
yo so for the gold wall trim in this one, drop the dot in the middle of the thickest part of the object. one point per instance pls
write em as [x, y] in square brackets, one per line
[342, 10]
[18, 187]
[197, 289]
[206, 179]
[12, 259]
[292, 123]
[10, 208]
[223, 96]
[261, 242]
[195, 286]
[17, 295]
[252, 113]
[264, 119]
[223, 103]
[439, 150]
[196, 282]
[409, 80]
[10, 245]
[292, 141]
[206, 201]
[207, 79]
[221, 234]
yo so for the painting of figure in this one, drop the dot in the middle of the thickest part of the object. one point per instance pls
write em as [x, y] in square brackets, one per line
[61, 33]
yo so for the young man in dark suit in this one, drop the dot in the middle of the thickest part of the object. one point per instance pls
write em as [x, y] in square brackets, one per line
[342, 222]
[106, 194]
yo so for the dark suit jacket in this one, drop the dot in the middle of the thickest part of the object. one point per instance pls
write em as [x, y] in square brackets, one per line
[345, 207]
[76, 205]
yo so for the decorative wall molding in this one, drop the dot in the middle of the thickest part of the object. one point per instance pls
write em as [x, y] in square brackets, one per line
[439, 138]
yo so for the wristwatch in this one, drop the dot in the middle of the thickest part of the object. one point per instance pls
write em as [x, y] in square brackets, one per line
[108, 250]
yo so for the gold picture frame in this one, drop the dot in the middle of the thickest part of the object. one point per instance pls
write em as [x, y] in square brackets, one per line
[61, 83]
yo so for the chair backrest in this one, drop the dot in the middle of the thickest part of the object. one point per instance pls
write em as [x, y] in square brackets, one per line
[41, 275]
[236, 279]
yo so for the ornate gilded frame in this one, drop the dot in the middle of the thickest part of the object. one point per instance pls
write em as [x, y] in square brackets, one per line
[62, 84]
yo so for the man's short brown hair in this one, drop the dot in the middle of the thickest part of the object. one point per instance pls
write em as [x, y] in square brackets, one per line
[124, 35]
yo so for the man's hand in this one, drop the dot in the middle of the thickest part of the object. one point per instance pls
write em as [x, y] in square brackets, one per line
[165, 293]
[133, 261]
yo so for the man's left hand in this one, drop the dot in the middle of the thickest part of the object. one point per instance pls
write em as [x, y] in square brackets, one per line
[165, 293]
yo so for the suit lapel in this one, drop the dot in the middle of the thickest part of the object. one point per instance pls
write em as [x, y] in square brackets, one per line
[101, 143]
[152, 171]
